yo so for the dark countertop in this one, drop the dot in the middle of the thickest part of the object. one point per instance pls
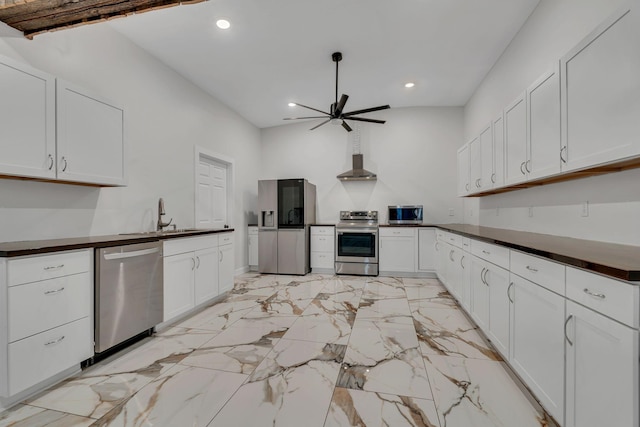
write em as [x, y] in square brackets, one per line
[408, 225]
[619, 261]
[323, 225]
[33, 247]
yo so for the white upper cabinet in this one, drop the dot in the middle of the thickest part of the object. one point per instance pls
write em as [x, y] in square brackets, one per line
[601, 93]
[27, 121]
[475, 166]
[486, 158]
[90, 137]
[515, 140]
[543, 125]
[463, 171]
[497, 178]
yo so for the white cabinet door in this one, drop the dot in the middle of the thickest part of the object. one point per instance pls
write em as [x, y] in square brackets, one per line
[179, 275]
[601, 93]
[602, 370]
[486, 158]
[465, 288]
[537, 342]
[515, 139]
[226, 268]
[499, 308]
[253, 250]
[498, 152]
[397, 254]
[479, 294]
[27, 121]
[441, 260]
[475, 166]
[464, 185]
[90, 137]
[454, 272]
[543, 102]
[426, 249]
[206, 275]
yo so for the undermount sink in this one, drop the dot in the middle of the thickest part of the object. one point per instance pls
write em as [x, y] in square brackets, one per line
[159, 233]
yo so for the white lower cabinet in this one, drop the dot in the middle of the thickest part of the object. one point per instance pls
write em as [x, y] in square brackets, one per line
[497, 279]
[479, 294]
[454, 271]
[426, 250]
[397, 250]
[465, 288]
[196, 269]
[323, 248]
[537, 342]
[253, 248]
[601, 371]
[47, 301]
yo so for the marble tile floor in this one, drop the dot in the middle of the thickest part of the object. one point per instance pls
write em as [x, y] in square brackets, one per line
[307, 351]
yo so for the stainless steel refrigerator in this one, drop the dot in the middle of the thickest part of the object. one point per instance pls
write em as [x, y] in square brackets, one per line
[287, 209]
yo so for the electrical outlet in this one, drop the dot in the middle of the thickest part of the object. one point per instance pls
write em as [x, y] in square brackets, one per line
[451, 212]
[585, 209]
[530, 211]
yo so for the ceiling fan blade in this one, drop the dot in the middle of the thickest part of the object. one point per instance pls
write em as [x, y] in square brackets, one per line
[364, 119]
[314, 109]
[317, 126]
[300, 118]
[346, 126]
[340, 106]
[366, 110]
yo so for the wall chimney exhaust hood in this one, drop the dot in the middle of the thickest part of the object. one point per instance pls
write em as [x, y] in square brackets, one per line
[357, 173]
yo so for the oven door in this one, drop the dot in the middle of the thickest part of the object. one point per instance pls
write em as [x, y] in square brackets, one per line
[357, 245]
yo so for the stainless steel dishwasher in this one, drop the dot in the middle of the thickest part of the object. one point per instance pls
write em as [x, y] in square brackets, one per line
[128, 292]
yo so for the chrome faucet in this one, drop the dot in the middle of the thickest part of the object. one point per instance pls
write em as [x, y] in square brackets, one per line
[161, 224]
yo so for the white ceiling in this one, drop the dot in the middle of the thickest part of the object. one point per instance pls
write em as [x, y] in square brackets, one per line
[278, 51]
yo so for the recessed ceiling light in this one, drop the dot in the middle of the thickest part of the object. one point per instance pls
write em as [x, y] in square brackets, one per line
[292, 104]
[410, 84]
[223, 24]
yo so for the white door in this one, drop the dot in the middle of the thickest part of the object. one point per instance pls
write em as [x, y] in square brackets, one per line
[498, 280]
[515, 140]
[212, 194]
[179, 274]
[475, 166]
[479, 294]
[602, 370]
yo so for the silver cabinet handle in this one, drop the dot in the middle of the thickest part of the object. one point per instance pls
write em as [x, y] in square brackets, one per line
[533, 270]
[193, 263]
[451, 256]
[54, 267]
[594, 294]
[54, 292]
[486, 282]
[508, 292]
[466, 186]
[64, 160]
[563, 149]
[522, 168]
[221, 256]
[565, 329]
[436, 246]
[52, 342]
[131, 254]
[461, 263]
[198, 258]
[526, 165]
[486, 252]
[493, 178]
[51, 161]
[482, 275]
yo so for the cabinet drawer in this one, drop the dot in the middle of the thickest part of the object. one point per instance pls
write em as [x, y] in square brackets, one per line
[225, 239]
[453, 239]
[466, 244]
[188, 244]
[613, 298]
[323, 231]
[498, 255]
[56, 302]
[41, 356]
[322, 244]
[252, 231]
[440, 235]
[42, 267]
[322, 260]
[397, 232]
[545, 273]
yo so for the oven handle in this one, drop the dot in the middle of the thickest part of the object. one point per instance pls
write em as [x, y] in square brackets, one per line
[356, 230]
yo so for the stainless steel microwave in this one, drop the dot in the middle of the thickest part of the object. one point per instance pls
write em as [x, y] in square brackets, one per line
[405, 214]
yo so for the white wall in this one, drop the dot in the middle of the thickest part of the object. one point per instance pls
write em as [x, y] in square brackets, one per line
[165, 116]
[413, 154]
[553, 28]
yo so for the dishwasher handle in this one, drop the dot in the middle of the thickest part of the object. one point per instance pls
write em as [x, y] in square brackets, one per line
[132, 254]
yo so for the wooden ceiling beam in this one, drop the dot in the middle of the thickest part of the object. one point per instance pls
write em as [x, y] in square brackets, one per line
[34, 17]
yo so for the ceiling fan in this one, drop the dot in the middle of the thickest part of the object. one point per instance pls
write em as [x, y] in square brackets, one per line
[336, 114]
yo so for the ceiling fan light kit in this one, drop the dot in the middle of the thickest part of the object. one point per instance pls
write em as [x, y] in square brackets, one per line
[336, 114]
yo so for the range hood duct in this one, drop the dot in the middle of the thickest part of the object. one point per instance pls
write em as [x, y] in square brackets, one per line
[357, 173]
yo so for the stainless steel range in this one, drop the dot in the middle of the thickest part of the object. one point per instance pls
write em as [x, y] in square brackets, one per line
[357, 243]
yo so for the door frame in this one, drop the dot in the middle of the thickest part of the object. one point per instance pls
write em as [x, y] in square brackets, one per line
[229, 162]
